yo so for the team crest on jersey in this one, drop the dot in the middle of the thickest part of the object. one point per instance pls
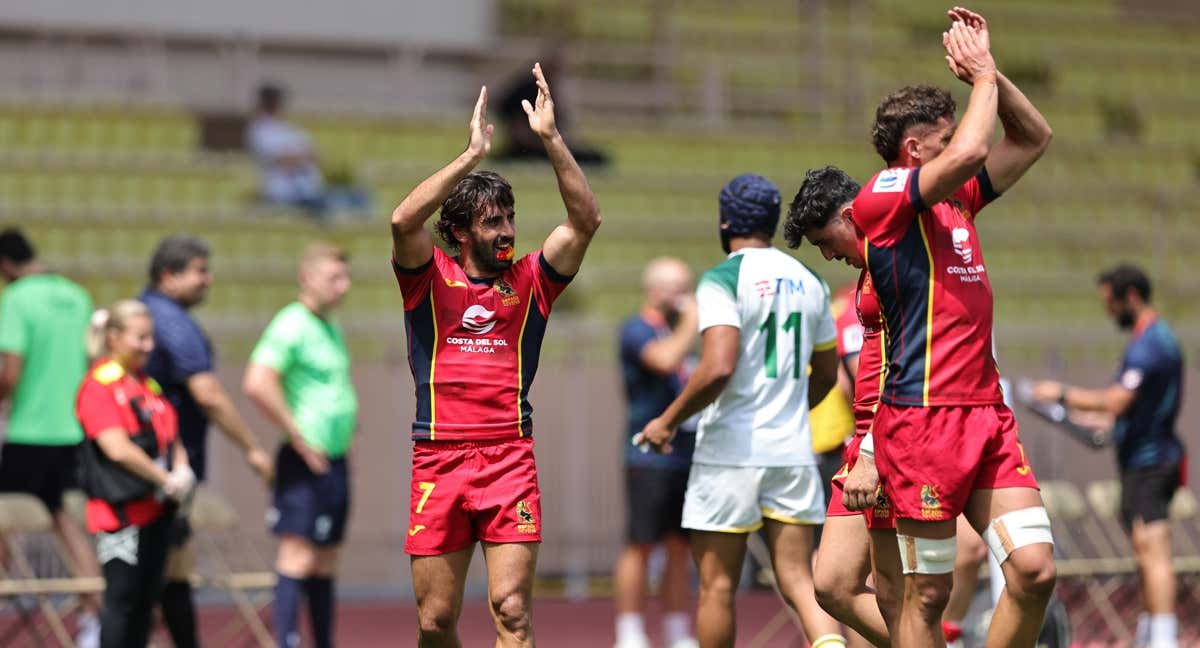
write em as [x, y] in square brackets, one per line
[931, 504]
[508, 296]
[527, 522]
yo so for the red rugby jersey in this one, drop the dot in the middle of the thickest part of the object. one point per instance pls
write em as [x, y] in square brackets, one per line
[869, 380]
[928, 272]
[473, 345]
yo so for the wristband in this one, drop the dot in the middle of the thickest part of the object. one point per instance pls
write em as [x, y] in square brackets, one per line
[867, 448]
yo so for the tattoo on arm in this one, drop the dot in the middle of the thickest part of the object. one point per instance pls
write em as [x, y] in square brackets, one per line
[1013, 125]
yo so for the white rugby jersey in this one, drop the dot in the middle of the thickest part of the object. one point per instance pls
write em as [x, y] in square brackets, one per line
[782, 310]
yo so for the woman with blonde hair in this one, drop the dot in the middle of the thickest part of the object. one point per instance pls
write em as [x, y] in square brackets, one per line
[133, 470]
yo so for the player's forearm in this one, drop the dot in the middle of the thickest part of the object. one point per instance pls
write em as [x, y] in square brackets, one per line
[583, 212]
[972, 139]
[220, 410]
[1085, 400]
[702, 389]
[273, 404]
[667, 355]
[1023, 124]
[427, 197]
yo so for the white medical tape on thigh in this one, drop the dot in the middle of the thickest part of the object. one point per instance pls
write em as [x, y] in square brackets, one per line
[926, 556]
[1017, 529]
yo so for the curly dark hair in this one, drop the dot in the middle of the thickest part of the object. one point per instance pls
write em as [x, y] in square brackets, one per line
[471, 198]
[907, 107]
[821, 194]
[1126, 277]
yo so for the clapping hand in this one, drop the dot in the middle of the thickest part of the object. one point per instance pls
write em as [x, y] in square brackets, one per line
[541, 112]
[480, 142]
[968, 46]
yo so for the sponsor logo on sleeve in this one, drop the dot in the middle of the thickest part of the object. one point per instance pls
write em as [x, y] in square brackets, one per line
[891, 181]
[1131, 379]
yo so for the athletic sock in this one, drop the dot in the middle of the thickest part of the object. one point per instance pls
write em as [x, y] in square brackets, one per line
[631, 629]
[830, 641]
[1164, 631]
[320, 609]
[288, 592]
[180, 614]
[1141, 638]
[676, 626]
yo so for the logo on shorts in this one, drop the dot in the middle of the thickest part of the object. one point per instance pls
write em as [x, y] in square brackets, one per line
[508, 296]
[416, 528]
[527, 524]
[883, 507]
[478, 319]
[931, 505]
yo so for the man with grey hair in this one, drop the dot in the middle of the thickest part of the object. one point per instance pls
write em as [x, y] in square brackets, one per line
[182, 363]
[656, 348]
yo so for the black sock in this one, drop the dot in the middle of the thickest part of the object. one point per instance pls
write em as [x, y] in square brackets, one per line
[320, 609]
[180, 614]
[288, 592]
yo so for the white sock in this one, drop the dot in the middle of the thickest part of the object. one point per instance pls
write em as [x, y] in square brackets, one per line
[1164, 631]
[676, 626]
[830, 641]
[1142, 636]
[630, 627]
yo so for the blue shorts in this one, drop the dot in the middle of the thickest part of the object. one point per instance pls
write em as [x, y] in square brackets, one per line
[308, 505]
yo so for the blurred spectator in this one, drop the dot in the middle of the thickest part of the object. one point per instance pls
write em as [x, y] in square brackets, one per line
[655, 351]
[290, 173]
[43, 320]
[1144, 399]
[182, 363]
[522, 142]
[299, 376]
[131, 456]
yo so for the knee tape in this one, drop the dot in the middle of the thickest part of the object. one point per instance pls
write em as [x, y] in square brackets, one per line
[925, 556]
[1017, 529]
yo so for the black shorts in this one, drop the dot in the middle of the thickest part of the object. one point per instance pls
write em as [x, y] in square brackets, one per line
[1146, 493]
[42, 471]
[654, 500]
[828, 464]
[308, 505]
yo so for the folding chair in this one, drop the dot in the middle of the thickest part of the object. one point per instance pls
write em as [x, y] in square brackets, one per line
[214, 521]
[22, 516]
[1068, 516]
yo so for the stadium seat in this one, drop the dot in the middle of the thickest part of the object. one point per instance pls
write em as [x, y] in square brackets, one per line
[226, 562]
[24, 517]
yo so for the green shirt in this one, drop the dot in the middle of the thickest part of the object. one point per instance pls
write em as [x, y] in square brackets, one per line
[314, 365]
[43, 319]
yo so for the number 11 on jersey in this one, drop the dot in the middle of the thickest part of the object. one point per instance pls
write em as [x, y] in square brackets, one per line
[792, 323]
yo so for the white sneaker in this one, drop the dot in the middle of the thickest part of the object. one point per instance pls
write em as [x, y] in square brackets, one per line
[633, 642]
[689, 642]
[88, 634]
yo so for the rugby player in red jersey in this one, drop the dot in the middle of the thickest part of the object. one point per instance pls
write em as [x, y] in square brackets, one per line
[944, 441]
[858, 527]
[475, 324]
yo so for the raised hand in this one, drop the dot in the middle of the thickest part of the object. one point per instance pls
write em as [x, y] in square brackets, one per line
[541, 112]
[967, 54]
[976, 22]
[480, 143]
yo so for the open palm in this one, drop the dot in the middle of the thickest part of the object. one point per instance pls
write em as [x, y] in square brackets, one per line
[541, 112]
[480, 142]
